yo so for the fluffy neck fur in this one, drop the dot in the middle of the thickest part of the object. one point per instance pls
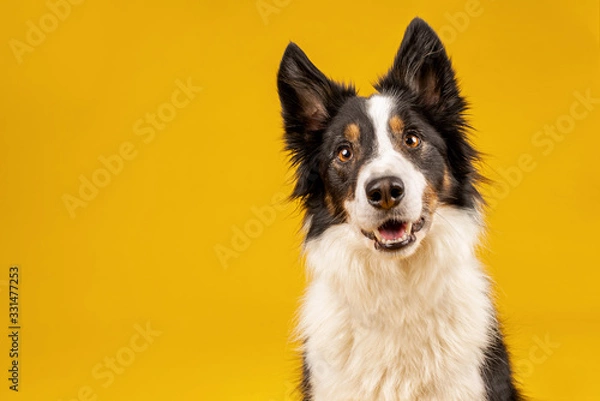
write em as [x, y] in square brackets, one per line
[379, 328]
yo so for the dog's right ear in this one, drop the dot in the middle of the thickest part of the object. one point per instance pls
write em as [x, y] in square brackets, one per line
[308, 97]
[308, 101]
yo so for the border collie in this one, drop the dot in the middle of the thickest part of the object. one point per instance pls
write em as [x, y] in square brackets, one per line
[398, 307]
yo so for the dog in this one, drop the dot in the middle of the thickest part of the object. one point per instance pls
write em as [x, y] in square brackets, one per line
[398, 307]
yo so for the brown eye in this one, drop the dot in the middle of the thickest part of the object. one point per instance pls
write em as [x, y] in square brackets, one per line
[344, 153]
[412, 141]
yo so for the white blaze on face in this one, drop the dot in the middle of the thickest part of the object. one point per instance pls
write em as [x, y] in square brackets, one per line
[386, 162]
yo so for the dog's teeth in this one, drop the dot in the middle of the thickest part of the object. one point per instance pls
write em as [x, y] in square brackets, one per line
[396, 240]
[408, 229]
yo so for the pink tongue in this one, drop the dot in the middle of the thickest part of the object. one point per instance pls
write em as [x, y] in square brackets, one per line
[392, 231]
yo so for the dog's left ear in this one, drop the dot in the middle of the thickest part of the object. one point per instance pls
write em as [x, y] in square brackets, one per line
[423, 67]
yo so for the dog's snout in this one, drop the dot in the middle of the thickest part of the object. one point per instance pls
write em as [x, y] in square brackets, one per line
[385, 192]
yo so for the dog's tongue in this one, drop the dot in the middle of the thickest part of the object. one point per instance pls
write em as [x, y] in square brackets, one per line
[392, 230]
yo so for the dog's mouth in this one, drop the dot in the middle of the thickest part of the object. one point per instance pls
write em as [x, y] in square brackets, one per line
[394, 234]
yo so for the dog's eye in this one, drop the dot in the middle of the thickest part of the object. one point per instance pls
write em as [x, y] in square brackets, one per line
[344, 153]
[411, 140]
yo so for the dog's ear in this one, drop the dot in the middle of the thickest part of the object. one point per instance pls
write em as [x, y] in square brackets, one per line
[308, 101]
[308, 97]
[423, 67]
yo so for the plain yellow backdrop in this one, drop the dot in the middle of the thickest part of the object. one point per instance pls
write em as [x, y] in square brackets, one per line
[186, 236]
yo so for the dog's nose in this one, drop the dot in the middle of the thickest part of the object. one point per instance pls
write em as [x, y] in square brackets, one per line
[385, 192]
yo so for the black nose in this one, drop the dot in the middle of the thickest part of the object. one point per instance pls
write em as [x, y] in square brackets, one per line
[385, 192]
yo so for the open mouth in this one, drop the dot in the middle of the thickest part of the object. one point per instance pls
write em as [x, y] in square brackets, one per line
[394, 234]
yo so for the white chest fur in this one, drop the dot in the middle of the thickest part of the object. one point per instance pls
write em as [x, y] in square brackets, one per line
[381, 329]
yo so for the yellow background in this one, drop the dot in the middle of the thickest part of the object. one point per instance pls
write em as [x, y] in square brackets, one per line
[144, 249]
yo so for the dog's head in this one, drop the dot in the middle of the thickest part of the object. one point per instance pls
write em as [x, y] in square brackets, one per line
[382, 164]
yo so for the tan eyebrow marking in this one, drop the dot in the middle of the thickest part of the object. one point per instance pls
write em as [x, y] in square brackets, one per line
[447, 180]
[396, 125]
[352, 132]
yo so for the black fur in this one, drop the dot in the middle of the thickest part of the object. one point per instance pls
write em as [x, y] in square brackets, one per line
[497, 373]
[305, 386]
[423, 85]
